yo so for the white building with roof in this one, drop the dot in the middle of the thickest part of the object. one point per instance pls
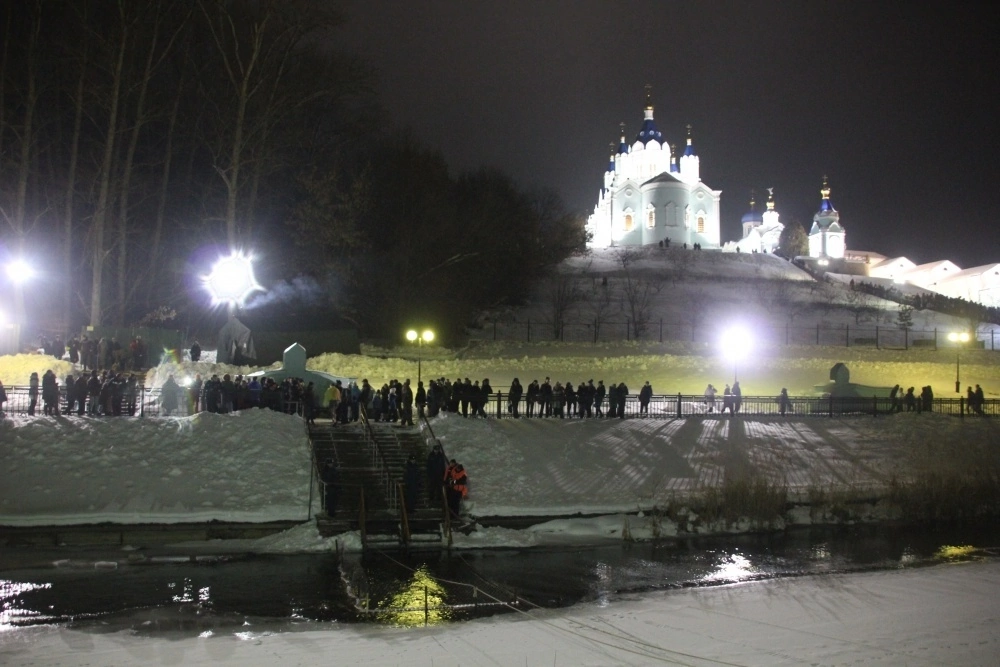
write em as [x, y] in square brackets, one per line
[649, 196]
[893, 268]
[827, 238]
[980, 284]
[761, 231]
[931, 274]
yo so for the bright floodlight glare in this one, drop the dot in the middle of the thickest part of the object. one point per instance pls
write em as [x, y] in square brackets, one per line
[232, 279]
[428, 335]
[956, 337]
[735, 343]
[19, 271]
[411, 335]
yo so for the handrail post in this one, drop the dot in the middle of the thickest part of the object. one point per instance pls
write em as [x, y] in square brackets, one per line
[678, 405]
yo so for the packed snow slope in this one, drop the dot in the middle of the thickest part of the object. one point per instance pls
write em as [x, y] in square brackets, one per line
[255, 465]
[248, 466]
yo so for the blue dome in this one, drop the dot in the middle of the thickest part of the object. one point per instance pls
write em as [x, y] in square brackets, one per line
[689, 150]
[752, 216]
[825, 206]
[649, 132]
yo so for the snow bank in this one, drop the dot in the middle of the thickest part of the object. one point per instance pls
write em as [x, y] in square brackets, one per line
[253, 465]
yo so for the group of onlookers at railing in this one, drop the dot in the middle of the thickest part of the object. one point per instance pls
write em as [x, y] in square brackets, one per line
[106, 393]
[232, 393]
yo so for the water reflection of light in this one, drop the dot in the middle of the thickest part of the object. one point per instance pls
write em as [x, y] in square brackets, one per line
[603, 573]
[187, 594]
[908, 557]
[734, 567]
[9, 612]
[420, 601]
[949, 552]
[821, 552]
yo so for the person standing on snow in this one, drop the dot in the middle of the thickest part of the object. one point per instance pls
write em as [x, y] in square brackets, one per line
[645, 394]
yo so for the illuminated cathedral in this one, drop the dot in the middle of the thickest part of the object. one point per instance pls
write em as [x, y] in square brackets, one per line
[652, 197]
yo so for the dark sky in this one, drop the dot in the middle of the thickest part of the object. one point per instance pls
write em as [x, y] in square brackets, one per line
[895, 101]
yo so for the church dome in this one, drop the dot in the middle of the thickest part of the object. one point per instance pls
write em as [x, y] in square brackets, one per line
[649, 132]
[752, 215]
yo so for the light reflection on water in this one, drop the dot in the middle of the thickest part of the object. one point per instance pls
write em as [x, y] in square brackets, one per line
[12, 612]
[251, 594]
[732, 568]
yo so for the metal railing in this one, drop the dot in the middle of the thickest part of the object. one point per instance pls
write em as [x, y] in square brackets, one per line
[659, 330]
[378, 461]
[146, 402]
[687, 405]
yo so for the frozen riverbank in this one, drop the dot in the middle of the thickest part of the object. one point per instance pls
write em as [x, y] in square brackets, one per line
[935, 616]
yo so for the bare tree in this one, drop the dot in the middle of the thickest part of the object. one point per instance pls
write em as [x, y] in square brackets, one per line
[562, 294]
[256, 46]
[859, 303]
[638, 290]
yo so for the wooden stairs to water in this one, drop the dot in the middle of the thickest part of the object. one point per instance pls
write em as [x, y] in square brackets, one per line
[371, 476]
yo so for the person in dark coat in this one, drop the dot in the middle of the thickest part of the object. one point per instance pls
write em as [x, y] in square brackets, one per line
[599, 393]
[411, 484]
[195, 351]
[784, 403]
[927, 398]
[331, 487]
[645, 394]
[516, 391]
[81, 394]
[71, 394]
[420, 399]
[737, 397]
[435, 467]
[622, 397]
[532, 396]
[980, 399]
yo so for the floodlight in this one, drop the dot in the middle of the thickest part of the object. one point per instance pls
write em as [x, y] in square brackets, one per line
[19, 271]
[735, 343]
[959, 336]
[232, 279]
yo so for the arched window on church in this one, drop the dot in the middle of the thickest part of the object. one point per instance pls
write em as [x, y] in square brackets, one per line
[628, 222]
[701, 224]
[651, 218]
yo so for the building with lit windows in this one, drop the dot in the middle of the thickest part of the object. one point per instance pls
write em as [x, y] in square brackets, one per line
[650, 196]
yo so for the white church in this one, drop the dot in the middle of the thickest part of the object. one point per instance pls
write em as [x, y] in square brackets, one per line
[651, 197]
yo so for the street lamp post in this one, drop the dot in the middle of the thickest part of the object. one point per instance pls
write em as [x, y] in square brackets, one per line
[425, 337]
[19, 272]
[960, 339]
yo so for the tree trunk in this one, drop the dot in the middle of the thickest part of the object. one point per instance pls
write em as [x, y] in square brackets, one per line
[67, 240]
[104, 185]
[137, 125]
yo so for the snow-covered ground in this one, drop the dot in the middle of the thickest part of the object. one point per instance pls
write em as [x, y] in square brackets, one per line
[255, 466]
[944, 615]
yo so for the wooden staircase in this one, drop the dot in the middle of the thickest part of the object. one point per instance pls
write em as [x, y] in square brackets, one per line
[372, 461]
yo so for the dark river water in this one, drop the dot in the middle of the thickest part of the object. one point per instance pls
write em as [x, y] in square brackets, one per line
[168, 592]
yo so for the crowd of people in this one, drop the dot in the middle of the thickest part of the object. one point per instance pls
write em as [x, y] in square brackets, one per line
[101, 353]
[105, 393]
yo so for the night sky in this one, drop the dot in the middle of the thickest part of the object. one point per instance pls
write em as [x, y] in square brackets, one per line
[895, 101]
